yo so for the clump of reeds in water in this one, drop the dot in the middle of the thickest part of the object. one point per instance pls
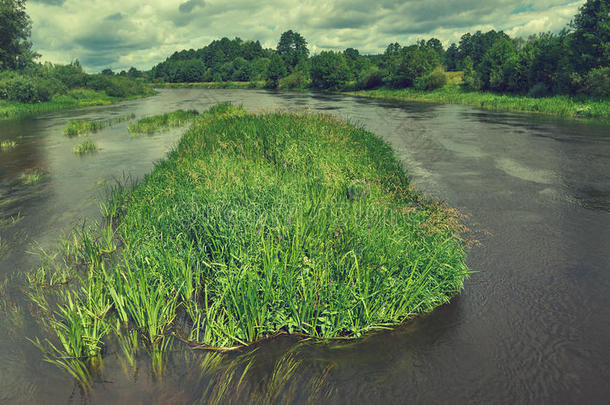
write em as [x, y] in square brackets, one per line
[82, 127]
[31, 176]
[7, 145]
[149, 125]
[84, 147]
[255, 224]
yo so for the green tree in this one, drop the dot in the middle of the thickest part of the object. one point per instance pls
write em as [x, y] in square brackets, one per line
[329, 70]
[292, 47]
[275, 71]
[495, 63]
[15, 28]
[591, 37]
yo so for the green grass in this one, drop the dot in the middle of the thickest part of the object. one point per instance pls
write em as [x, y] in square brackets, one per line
[563, 106]
[81, 127]
[149, 125]
[254, 224]
[31, 176]
[212, 85]
[7, 145]
[74, 98]
[84, 147]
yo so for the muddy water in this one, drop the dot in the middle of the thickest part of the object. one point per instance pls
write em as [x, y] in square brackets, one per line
[531, 326]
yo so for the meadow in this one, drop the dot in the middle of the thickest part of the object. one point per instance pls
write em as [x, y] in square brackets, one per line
[256, 224]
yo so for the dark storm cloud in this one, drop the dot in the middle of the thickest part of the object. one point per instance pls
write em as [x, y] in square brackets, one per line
[49, 2]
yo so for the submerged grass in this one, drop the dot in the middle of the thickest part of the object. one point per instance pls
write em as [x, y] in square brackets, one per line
[81, 127]
[149, 125]
[7, 145]
[84, 147]
[74, 98]
[255, 224]
[213, 85]
[563, 106]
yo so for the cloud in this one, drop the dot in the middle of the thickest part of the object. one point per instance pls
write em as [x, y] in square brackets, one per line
[123, 33]
[189, 5]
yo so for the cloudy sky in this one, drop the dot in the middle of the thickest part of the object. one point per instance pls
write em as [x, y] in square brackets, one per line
[123, 33]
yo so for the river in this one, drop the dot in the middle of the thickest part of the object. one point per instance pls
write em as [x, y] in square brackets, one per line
[532, 325]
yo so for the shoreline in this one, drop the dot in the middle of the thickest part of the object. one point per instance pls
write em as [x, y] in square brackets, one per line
[14, 109]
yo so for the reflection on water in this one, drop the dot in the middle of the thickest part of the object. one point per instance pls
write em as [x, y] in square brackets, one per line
[531, 326]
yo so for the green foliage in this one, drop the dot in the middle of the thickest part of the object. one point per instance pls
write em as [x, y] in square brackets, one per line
[15, 27]
[328, 70]
[296, 80]
[591, 38]
[493, 69]
[149, 125]
[292, 47]
[275, 71]
[84, 148]
[433, 81]
[597, 83]
[254, 224]
[370, 78]
[80, 127]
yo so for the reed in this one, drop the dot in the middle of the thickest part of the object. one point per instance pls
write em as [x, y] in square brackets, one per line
[81, 127]
[149, 125]
[84, 148]
[7, 145]
[256, 224]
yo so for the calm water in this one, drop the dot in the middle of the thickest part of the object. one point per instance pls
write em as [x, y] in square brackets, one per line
[532, 325]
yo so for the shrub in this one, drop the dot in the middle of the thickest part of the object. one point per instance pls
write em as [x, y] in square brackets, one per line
[47, 88]
[370, 79]
[19, 88]
[538, 90]
[295, 80]
[597, 83]
[433, 81]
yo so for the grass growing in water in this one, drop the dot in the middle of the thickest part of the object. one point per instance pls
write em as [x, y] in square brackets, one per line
[7, 145]
[31, 176]
[257, 224]
[149, 125]
[563, 106]
[81, 127]
[84, 147]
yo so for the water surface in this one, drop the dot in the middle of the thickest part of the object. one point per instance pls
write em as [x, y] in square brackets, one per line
[531, 326]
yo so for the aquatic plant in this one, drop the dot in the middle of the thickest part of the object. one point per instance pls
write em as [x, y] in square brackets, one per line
[31, 176]
[7, 145]
[255, 224]
[453, 93]
[81, 127]
[84, 147]
[149, 125]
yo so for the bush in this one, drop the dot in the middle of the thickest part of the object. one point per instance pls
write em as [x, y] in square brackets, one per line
[433, 81]
[538, 90]
[19, 88]
[295, 80]
[47, 88]
[370, 79]
[597, 83]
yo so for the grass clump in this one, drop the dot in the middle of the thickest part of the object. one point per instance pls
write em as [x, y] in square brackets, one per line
[31, 176]
[84, 147]
[7, 145]
[81, 127]
[254, 224]
[149, 125]
[453, 93]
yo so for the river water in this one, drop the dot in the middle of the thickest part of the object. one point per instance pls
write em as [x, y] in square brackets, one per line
[532, 325]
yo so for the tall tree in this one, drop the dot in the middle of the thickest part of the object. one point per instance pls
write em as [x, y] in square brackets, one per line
[292, 47]
[591, 38]
[15, 29]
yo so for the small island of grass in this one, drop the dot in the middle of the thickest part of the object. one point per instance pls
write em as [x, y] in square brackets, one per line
[254, 224]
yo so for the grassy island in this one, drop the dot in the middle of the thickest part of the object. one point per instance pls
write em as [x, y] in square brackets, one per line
[255, 224]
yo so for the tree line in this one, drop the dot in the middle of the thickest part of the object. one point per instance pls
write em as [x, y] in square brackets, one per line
[574, 61]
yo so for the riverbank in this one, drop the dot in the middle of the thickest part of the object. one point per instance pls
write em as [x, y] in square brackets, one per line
[254, 224]
[212, 85]
[72, 99]
[453, 93]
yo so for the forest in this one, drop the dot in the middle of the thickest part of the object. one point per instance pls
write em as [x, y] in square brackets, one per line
[575, 61]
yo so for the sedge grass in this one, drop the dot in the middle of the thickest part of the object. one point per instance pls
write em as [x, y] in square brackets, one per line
[255, 224]
[7, 145]
[453, 93]
[81, 127]
[149, 125]
[84, 147]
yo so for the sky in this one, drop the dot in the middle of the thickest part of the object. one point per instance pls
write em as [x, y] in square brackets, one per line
[118, 34]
